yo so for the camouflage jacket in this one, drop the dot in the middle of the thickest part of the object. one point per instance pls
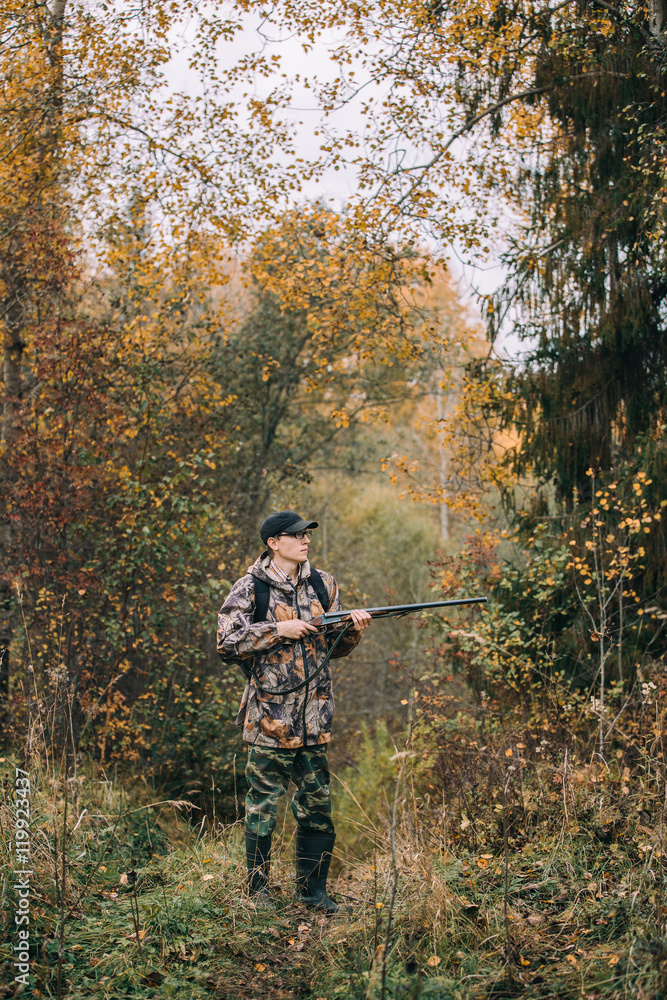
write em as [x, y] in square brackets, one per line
[304, 717]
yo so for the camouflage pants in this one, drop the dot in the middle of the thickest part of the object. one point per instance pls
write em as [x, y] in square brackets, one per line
[268, 772]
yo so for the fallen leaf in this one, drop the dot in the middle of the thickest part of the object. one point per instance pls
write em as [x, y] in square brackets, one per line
[433, 961]
[154, 978]
[259, 967]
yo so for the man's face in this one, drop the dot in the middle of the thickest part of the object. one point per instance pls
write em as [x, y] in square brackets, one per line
[290, 547]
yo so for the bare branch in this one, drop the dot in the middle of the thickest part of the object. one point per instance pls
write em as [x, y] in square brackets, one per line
[471, 122]
[24, 136]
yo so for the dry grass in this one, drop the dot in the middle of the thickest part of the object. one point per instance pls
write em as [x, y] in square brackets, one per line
[518, 868]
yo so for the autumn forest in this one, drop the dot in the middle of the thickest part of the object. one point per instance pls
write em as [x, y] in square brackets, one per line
[400, 267]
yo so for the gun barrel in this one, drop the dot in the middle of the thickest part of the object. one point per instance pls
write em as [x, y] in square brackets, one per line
[402, 609]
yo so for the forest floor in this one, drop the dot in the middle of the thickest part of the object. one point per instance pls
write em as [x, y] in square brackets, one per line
[153, 909]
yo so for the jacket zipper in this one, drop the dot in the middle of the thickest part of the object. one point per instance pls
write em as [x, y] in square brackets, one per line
[305, 670]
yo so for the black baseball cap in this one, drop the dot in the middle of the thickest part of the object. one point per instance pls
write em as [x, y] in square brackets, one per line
[283, 522]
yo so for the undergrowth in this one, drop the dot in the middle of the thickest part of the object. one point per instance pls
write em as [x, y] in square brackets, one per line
[546, 881]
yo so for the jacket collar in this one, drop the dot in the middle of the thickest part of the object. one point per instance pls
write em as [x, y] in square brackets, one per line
[260, 569]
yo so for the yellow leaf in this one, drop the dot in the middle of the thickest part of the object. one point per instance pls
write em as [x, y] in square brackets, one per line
[259, 967]
[433, 961]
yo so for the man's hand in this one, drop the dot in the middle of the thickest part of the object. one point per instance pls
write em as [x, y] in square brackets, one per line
[361, 619]
[295, 629]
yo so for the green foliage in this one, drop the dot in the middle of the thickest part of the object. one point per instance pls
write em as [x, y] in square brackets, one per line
[115, 538]
[377, 546]
[587, 278]
[135, 482]
[570, 606]
[361, 793]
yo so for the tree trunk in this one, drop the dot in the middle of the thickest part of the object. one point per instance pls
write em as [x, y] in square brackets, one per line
[444, 510]
[657, 18]
[11, 370]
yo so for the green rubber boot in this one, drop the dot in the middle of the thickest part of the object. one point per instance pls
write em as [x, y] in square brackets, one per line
[258, 858]
[313, 857]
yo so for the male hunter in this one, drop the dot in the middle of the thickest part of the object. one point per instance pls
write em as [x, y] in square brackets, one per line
[286, 719]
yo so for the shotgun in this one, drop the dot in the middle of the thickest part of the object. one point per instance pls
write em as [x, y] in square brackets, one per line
[393, 610]
[331, 618]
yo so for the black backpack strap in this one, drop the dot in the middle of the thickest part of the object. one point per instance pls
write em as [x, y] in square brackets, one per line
[262, 590]
[320, 588]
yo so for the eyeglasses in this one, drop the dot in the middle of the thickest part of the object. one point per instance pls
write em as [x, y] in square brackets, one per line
[299, 535]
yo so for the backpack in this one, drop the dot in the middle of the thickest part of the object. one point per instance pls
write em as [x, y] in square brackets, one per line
[262, 589]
